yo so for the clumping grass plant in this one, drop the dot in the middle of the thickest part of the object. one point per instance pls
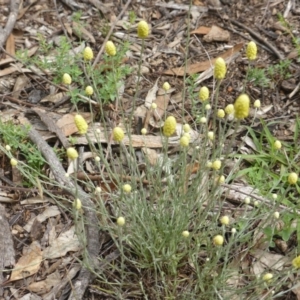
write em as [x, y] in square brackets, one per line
[169, 220]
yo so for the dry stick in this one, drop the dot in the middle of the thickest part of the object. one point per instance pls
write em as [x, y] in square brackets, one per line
[67, 184]
[258, 37]
[109, 33]
[11, 21]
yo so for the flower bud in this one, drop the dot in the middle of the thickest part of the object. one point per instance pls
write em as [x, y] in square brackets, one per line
[184, 141]
[89, 90]
[166, 86]
[204, 93]
[121, 221]
[221, 113]
[229, 109]
[169, 126]
[72, 153]
[216, 165]
[220, 68]
[13, 162]
[110, 48]
[66, 79]
[241, 107]
[127, 188]
[143, 29]
[88, 54]
[224, 220]
[218, 240]
[185, 233]
[293, 178]
[81, 124]
[251, 51]
[118, 134]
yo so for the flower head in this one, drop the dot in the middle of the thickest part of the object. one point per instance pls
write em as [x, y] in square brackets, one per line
[293, 178]
[241, 107]
[185, 233]
[216, 165]
[251, 51]
[169, 126]
[277, 145]
[72, 153]
[296, 262]
[89, 90]
[221, 113]
[257, 103]
[166, 86]
[186, 128]
[207, 107]
[77, 204]
[127, 188]
[7, 147]
[13, 162]
[210, 135]
[144, 131]
[276, 215]
[184, 141]
[203, 120]
[88, 54]
[224, 220]
[110, 48]
[143, 29]
[220, 68]
[66, 79]
[203, 93]
[121, 221]
[218, 240]
[154, 106]
[229, 109]
[81, 124]
[267, 277]
[118, 134]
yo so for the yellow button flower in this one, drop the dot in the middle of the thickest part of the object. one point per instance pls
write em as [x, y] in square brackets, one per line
[220, 68]
[127, 188]
[143, 29]
[13, 162]
[72, 153]
[216, 165]
[169, 126]
[166, 86]
[77, 204]
[229, 109]
[81, 124]
[203, 93]
[293, 178]
[221, 113]
[121, 221]
[118, 134]
[218, 240]
[110, 48]
[88, 54]
[296, 262]
[267, 277]
[185, 233]
[224, 220]
[89, 90]
[67, 79]
[186, 128]
[184, 141]
[251, 51]
[241, 107]
[277, 145]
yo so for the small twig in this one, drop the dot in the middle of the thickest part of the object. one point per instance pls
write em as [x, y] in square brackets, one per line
[67, 184]
[11, 21]
[258, 37]
[109, 33]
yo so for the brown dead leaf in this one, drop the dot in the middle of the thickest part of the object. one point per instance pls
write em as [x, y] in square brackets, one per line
[151, 155]
[203, 66]
[10, 45]
[67, 241]
[29, 263]
[217, 34]
[201, 30]
[44, 286]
